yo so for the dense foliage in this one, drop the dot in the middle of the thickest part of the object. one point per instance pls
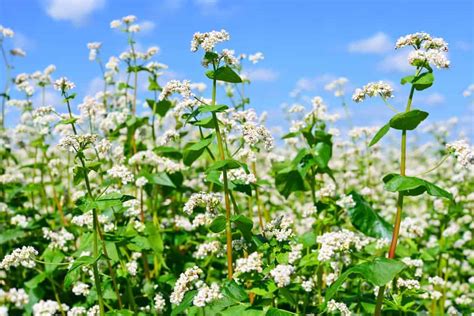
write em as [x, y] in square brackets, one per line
[191, 207]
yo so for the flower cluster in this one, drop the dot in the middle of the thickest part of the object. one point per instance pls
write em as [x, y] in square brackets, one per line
[208, 200]
[462, 151]
[373, 89]
[21, 256]
[183, 284]
[208, 40]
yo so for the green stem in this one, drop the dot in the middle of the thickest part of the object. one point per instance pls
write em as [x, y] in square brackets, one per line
[398, 216]
[95, 221]
[226, 185]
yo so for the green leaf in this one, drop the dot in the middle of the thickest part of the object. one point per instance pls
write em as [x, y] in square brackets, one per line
[408, 120]
[153, 85]
[154, 238]
[243, 224]
[161, 178]
[159, 107]
[52, 258]
[207, 122]
[192, 151]
[11, 234]
[278, 312]
[36, 280]
[235, 291]
[288, 182]
[322, 154]
[224, 73]
[218, 224]
[366, 220]
[407, 79]
[121, 312]
[423, 81]
[413, 186]
[185, 303]
[225, 164]
[68, 121]
[378, 272]
[212, 108]
[381, 133]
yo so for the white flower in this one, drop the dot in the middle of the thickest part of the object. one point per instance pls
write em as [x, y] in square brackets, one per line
[282, 274]
[18, 52]
[183, 284]
[20, 256]
[415, 40]
[208, 200]
[462, 151]
[206, 294]
[240, 175]
[295, 253]
[48, 308]
[81, 288]
[129, 19]
[141, 182]
[58, 239]
[160, 302]
[6, 32]
[132, 267]
[408, 284]
[74, 143]
[17, 297]
[206, 249]
[307, 285]
[373, 89]
[255, 58]
[338, 242]
[20, 220]
[115, 24]
[63, 84]
[134, 28]
[346, 201]
[280, 228]
[176, 86]
[432, 57]
[208, 40]
[341, 307]
[254, 134]
[121, 172]
[93, 49]
[252, 263]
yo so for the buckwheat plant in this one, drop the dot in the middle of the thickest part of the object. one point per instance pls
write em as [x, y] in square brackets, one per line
[427, 52]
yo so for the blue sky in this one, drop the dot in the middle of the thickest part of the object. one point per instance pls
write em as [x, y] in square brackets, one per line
[305, 43]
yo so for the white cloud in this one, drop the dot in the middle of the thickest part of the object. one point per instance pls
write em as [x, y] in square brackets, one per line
[22, 41]
[147, 26]
[307, 84]
[51, 97]
[376, 44]
[75, 11]
[397, 62]
[463, 45]
[95, 85]
[261, 74]
[431, 99]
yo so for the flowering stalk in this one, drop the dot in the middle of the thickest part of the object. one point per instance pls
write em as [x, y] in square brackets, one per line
[94, 213]
[226, 185]
[398, 216]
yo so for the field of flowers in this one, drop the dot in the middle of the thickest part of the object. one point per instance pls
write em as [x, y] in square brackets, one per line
[195, 207]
